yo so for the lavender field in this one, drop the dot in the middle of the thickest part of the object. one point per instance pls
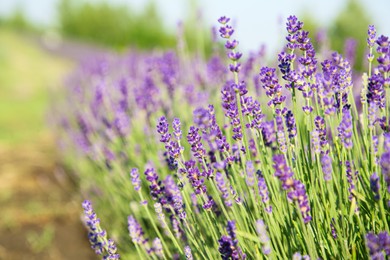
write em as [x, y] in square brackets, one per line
[194, 130]
[234, 156]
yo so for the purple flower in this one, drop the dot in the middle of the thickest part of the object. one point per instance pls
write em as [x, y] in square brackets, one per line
[263, 191]
[290, 124]
[226, 31]
[194, 140]
[315, 141]
[268, 133]
[351, 177]
[350, 50]
[375, 91]
[326, 164]
[263, 236]
[201, 118]
[299, 194]
[345, 129]
[195, 177]
[372, 114]
[378, 243]
[271, 85]
[176, 125]
[280, 134]
[156, 189]
[209, 204]
[160, 215]
[223, 188]
[385, 161]
[188, 253]
[231, 45]
[298, 256]
[137, 234]
[97, 236]
[135, 180]
[122, 122]
[162, 129]
[383, 50]
[321, 128]
[226, 248]
[293, 25]
[173, 196]
[228, 245]
[231, 111]
[176, 227]
[157, 247]
[374, 184]
[295, 189]
[223, 20]
[250, 171]
[283, 172]
[371, 36]
[333, 229]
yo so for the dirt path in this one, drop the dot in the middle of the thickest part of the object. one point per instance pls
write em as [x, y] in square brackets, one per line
[39, 205]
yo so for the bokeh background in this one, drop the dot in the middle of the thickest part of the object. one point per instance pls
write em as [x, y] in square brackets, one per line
[42, 41]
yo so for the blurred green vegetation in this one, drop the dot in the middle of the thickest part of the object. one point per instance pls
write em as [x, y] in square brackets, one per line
[118, 26]
[350, 23]
[113, 25]
[26, 74]
[18, 21]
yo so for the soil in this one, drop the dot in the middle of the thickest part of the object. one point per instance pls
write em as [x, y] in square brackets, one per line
[39, 206]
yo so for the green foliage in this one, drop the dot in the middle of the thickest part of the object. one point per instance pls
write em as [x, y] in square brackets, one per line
[119, 27]
[352, 22]
[18, 21]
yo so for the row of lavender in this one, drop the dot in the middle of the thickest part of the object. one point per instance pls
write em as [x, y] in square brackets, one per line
[307, 178]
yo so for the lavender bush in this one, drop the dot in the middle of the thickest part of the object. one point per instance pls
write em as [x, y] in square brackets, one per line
[290, 161]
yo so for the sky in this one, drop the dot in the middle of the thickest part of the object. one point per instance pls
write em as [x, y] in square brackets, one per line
[256, 21]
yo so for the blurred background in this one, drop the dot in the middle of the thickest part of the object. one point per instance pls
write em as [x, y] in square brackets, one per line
[41, 42]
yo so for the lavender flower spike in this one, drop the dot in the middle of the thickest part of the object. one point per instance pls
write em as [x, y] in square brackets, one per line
[176, 125]
[135, 180]
[385, 161]
[263, 236]
[228, 245]
[378, 243]
[188, 253]
[97, 236]
[137, 234]
[157, 247]
[295, 189]
[345, 129]
[162, 129]
[263, 191]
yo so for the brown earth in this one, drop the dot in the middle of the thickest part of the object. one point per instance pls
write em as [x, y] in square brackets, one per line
[39, 206]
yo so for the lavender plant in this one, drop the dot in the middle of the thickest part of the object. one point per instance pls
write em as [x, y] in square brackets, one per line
[307, 178]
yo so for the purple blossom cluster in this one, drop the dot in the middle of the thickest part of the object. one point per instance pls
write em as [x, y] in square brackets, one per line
[345, 129]
[97, 236]
[378, 245]
[295, 189]
[263, 236]
[271, 84]
[228, 244]
[385, 161]
[263, 191]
